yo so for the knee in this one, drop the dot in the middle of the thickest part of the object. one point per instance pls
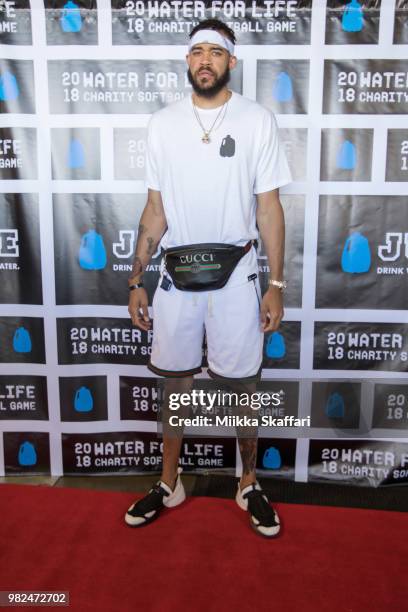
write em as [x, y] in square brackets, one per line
[183, 384]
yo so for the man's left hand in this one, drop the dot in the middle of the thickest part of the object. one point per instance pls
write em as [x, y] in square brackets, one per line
[271, 309]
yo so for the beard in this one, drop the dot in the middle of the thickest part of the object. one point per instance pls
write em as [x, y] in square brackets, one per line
[214, 89]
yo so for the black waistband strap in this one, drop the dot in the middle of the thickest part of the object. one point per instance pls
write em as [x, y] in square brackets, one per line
[246, 247]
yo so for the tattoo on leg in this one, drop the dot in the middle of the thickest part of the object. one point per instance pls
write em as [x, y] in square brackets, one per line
[247, 448]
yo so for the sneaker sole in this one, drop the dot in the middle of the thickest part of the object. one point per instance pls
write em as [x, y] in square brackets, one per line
[268, 537]
[145, 522]
[176, 502]
[241, 504]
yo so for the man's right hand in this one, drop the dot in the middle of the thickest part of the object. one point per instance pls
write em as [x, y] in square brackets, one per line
[138, 308]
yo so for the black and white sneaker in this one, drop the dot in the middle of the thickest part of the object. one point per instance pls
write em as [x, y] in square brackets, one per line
[148, 508]
[263, 518]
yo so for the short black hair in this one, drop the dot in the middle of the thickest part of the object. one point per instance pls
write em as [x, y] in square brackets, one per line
[214, 24]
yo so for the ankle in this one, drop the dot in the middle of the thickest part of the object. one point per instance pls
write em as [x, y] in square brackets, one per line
[246, 481]
[170, 480]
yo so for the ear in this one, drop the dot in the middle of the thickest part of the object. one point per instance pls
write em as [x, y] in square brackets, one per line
[232, 62]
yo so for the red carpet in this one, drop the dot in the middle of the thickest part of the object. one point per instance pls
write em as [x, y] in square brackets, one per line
[200, 556]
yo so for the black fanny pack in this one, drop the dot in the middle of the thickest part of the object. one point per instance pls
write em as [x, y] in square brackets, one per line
[202, 267]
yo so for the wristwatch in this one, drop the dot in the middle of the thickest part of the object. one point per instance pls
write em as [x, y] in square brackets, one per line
[136, 286]
[282, 285]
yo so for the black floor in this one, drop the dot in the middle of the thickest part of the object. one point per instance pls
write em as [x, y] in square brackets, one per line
[385, 498]
[390, 498]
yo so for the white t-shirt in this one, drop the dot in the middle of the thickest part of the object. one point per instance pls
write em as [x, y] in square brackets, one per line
[208, 190]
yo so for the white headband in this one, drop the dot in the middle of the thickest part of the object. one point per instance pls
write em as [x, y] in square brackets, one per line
[211, 36]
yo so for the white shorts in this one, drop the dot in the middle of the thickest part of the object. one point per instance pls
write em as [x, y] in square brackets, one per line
[230, 318]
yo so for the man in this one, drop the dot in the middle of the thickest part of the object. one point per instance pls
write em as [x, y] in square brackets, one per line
[214, 167]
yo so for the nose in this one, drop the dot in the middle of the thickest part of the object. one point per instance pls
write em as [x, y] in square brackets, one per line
[206, 58]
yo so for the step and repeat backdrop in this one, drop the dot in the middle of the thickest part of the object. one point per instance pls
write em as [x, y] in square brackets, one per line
[79, 81]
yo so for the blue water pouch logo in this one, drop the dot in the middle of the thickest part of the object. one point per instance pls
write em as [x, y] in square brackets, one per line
[92, 252]
[272, 459]
[71, 20]
[346, 158]
[83, 400]
[27, 454]
[356, 255]
[76, 154]
[22, 341]
[275, 346]
[353, 17]
[282, 89]
[9, 89]
[335, 406]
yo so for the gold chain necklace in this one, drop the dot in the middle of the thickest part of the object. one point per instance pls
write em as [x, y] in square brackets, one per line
[206, 133]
